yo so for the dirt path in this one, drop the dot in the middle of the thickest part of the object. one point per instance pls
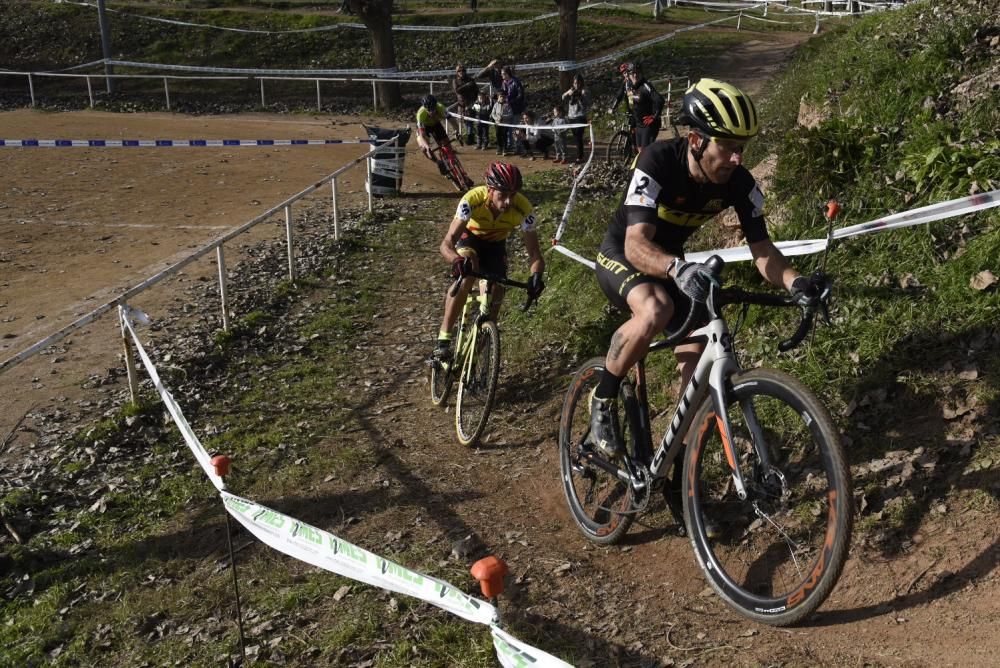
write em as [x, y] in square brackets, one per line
[65, 248]
[81, 225]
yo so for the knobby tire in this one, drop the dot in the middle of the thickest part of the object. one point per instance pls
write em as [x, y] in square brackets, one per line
[620, 147]
[774, 557]
[474, 400]
[441, 382]
[601, 505]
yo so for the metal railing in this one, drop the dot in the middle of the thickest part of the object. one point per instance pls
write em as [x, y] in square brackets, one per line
[218, 246]
[32, 76]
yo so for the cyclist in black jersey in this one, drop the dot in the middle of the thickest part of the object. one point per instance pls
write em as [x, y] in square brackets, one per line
[677, 186]
[646, 107]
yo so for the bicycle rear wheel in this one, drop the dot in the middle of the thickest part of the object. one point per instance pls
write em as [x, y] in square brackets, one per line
[775, 556]
[600, 503]
[477, 391]
[620, 147]
[441, 381]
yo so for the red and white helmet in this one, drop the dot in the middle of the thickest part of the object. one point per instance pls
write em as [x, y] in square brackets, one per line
[504, 176]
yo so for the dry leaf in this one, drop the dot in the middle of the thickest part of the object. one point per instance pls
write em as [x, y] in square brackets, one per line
[984, 280]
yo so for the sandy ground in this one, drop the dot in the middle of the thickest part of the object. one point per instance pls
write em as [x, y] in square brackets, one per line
[79, 226]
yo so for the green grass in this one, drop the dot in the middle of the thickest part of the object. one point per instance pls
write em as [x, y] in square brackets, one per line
[880, 149]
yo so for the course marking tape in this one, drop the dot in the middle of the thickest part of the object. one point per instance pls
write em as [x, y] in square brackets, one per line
[161, 143]
[325, 550]
[920, 216]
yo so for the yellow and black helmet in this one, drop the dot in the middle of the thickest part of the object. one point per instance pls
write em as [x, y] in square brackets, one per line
[719, 110]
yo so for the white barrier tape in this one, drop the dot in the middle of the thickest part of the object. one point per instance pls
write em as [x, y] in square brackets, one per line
[565, 126]
[336, 26]
[324, 550]
[559, 248]
[921, 216]
[515, 654]
[163, 143]
[197, 449]
[561, 65]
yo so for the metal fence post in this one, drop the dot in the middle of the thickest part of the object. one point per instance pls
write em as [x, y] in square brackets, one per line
[220, 257]
[739, 20]
[31, 89]
[333, 187]
[291, 249]
[319, 105]
[374, 96]
[133, 381]
[368, 170]
[262, 102]
[90, 92]
[166, 90]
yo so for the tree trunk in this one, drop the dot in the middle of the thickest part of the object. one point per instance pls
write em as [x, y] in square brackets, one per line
[377, 16]
[567, 38]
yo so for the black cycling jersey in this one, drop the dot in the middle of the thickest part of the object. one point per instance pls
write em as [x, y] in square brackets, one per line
[663, 193]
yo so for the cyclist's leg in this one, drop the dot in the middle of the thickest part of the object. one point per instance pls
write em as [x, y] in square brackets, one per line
[493, 260]
[645, 297]
[453, 305]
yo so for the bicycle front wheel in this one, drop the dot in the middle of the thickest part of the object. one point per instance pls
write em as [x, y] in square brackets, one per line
[601, 504]
[478, 386]
[775, 556]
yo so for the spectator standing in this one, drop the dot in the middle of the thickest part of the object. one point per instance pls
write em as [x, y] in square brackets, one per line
[647, 105]
[557, 134]
[481, 109]
[466, 91]
[577, 104]
[492, 73]
[514, 89]
[502, 114]
[473, 5]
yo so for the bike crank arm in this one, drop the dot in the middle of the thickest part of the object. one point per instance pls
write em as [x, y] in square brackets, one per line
[595, 459]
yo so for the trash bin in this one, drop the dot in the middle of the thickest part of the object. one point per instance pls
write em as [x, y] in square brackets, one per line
[387, 162]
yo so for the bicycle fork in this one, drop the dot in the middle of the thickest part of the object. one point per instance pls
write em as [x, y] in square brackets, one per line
[717, 390]
[467, 343]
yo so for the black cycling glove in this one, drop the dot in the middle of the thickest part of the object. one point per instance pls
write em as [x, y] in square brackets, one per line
[694, 279]
[535, 285]
[804, 292]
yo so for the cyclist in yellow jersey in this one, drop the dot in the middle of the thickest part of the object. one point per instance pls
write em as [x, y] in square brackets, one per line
[477, 241]
[430, 120]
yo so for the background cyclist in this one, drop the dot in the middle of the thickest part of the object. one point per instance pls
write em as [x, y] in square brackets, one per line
[647, 105]
[624, 93]
[430, 121]
[677, 186]
[477, 240]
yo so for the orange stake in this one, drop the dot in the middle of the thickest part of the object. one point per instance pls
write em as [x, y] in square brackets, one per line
[490, 571]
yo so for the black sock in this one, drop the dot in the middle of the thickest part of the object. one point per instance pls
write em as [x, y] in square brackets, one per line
[608, 386]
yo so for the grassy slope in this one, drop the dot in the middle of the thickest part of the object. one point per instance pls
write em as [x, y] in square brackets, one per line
[896, 351]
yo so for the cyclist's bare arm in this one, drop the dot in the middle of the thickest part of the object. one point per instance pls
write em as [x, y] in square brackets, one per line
[535, 259]
[642, 253]
[451, 237]
[772, 265]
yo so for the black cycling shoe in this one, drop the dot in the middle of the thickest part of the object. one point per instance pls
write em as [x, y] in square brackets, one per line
[604, 426]
[442, 352]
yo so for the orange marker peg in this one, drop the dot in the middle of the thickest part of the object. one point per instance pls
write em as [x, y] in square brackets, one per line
[832, 209]
[221, 464]
[490, 571]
